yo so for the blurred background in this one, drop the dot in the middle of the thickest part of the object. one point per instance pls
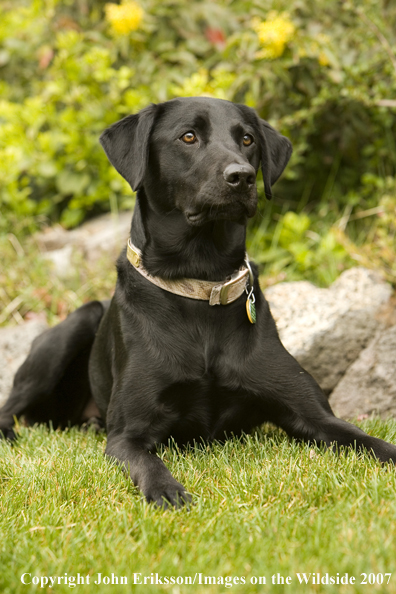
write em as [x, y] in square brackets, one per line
[323, 72]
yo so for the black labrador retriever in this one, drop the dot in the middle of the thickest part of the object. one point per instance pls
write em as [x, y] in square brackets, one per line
[187, 348]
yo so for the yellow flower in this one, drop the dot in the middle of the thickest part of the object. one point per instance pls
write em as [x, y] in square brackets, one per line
[124, 17]
[274, 33]
[319, 48]
[324, 41]
[323, 59]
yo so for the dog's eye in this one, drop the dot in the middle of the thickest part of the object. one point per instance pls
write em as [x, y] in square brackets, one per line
[248, 140]
[189, 138]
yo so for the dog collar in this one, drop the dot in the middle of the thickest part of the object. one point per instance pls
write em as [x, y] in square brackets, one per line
[217, 293]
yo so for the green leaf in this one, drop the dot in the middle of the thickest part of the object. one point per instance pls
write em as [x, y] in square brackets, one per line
[69, 183]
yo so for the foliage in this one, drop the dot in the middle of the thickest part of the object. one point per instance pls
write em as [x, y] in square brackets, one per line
[263, 505]
[292, 250]
[322, 72]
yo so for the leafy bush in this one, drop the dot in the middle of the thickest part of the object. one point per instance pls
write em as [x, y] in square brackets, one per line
[323, 72]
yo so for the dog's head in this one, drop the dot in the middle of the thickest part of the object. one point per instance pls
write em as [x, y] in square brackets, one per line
[198, 155]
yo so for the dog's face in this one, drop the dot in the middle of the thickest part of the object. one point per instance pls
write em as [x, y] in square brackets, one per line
[205, 155]
[198, 155]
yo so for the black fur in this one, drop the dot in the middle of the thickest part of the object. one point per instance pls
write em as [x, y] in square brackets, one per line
[161, 365]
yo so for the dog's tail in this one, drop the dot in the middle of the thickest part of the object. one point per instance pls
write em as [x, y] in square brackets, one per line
[52, 385]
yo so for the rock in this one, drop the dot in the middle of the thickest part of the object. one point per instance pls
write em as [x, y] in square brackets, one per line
[62, 260]
[15, 344]
[106, 234]
[369, 385]
[326, 329]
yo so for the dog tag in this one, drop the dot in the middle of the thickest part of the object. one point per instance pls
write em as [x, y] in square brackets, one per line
[250, 301]
[251, 309]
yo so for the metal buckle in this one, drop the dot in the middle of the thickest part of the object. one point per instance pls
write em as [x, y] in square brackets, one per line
[226, 287]
[133, 255]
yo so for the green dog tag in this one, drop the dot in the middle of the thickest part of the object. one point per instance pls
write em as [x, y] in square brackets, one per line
[251, 310]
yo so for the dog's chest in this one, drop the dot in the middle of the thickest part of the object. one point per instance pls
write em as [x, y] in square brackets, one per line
[190, 365]
[203, 409]
[205, 393]
[200, 351]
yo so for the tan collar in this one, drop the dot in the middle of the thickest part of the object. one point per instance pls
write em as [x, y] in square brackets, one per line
[216, 293]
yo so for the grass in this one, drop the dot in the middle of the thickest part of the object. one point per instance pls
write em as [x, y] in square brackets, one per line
[263, 505]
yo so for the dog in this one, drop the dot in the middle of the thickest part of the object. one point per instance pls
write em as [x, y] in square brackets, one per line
[187, 348]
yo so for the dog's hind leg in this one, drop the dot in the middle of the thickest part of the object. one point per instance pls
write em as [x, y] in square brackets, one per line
[52, 384]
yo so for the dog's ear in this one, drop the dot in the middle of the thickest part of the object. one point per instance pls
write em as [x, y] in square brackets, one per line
[126, 145]
[276, 151]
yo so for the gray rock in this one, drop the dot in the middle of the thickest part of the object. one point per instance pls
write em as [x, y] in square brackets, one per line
[106, 234]
[15, 342]
[369, 385]
[326, 329]
[62, 260]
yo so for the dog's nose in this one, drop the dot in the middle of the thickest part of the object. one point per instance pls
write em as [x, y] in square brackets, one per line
[240, 177]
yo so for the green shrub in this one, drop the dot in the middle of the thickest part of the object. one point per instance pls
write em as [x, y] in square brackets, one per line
[323, 72]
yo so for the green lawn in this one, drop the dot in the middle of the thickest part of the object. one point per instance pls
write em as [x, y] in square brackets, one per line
[263, 505]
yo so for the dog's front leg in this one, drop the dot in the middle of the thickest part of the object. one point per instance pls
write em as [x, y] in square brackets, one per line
[147, 471]
[294, 401]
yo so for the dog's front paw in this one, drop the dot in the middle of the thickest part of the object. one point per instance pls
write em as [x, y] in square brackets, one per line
[167, 494]
[6, 430]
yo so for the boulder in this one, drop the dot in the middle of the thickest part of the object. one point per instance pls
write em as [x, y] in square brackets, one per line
[369, 385]
[15, 342]
[326, 329]
[104, 235]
